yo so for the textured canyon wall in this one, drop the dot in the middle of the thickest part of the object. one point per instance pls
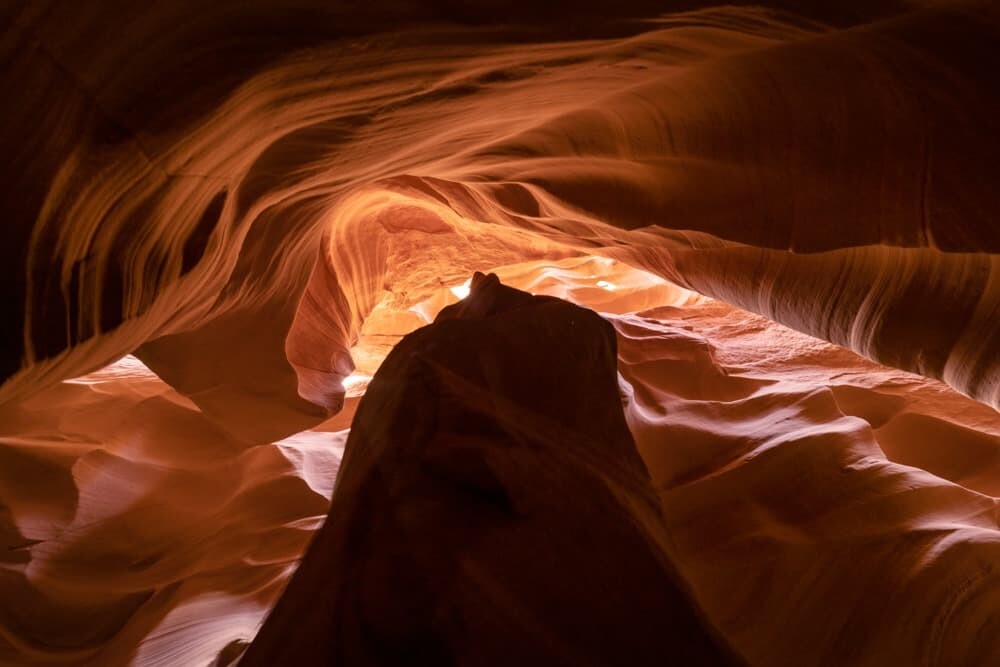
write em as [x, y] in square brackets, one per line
[806, 494]
[175, 174]
[255, 197]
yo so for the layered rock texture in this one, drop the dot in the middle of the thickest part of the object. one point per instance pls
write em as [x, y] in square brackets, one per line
[220, 218]
[806, 495]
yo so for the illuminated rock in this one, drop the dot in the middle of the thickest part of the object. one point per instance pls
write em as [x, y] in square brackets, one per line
[259, 199]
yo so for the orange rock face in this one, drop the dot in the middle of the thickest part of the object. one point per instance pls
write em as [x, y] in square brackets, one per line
[220, 221]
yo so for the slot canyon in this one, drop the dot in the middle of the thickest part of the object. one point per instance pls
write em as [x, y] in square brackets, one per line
[500, 333]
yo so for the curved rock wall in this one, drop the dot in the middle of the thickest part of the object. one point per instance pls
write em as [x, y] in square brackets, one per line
[136, 530]
[174, 173]
[256, 197]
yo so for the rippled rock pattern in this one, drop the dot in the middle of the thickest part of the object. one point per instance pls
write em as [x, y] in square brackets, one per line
[174, 173]
[220, 218]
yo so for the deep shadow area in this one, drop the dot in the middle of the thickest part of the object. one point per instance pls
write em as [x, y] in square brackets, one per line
[492, 509]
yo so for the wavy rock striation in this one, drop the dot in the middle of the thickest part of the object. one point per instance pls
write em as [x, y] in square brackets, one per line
[797, 482]
[259, 199]
[838, 180]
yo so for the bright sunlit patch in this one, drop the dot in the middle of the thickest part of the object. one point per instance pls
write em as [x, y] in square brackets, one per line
[461, 291]
[128, 367]
[604, 284]
[355, 384]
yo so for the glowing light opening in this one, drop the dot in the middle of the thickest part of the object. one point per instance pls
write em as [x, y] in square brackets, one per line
[355, 384]
[461, 291]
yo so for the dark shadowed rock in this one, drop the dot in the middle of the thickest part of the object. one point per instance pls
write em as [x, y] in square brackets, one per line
[491, 510]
